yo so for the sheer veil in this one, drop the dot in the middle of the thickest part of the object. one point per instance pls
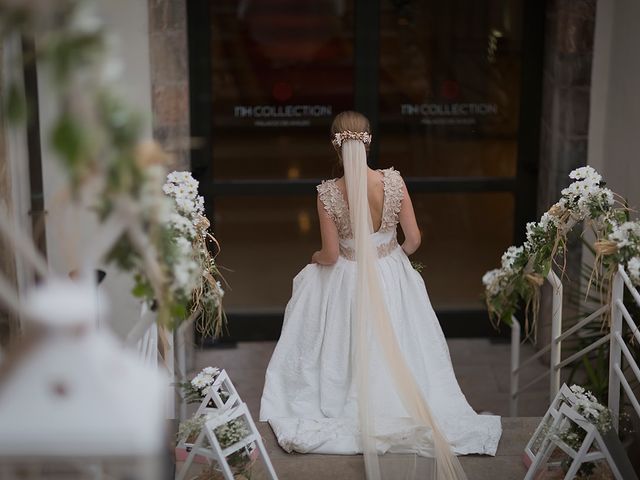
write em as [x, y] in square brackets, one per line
[373, 324]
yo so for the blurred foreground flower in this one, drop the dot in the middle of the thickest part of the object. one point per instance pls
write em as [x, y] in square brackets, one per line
[97, 139]
[70, 392]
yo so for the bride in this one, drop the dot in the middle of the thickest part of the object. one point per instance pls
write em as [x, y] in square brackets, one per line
[362, 365]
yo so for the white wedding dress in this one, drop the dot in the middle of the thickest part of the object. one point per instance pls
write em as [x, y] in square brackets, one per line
[310, 398]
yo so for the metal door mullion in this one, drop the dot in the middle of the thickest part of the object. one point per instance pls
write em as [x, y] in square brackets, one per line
[529, 121]
[460, 184]
[366, 66]
[307, 186]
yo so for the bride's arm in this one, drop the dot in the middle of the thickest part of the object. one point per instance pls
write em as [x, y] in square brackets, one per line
[328, 255]
[412, 237]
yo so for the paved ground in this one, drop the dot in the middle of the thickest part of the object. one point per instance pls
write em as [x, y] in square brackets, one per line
[482, 369]
[481, 366]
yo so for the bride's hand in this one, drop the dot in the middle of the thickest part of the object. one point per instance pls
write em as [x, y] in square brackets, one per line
[314, 257]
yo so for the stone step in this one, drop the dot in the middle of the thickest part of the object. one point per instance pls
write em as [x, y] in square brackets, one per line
[506, 465]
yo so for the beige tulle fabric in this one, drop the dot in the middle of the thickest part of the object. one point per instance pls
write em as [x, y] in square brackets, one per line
[372, 324]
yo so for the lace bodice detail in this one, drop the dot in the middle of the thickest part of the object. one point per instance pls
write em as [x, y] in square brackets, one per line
[336, 206]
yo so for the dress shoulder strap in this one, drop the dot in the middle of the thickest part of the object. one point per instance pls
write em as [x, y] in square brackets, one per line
[327, 195]
[335, 205]
[393, 195]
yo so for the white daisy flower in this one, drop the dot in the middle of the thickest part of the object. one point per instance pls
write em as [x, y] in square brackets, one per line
[633, 268]
[211, 371]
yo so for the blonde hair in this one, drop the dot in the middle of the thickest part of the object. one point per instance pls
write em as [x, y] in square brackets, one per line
[352, 121]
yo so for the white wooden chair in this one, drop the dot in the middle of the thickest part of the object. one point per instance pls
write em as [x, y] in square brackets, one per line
[221, 387]
[561, 413]
[214, 452]
[155, 348]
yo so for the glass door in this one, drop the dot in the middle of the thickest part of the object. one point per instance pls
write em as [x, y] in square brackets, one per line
[448, 109]
[442, 85]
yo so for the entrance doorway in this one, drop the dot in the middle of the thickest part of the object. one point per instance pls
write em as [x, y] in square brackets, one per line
[452, 91]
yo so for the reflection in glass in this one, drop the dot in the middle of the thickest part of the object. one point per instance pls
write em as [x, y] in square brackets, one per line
[450, 86]
[280, 71]
[463, 236]
[267, 240]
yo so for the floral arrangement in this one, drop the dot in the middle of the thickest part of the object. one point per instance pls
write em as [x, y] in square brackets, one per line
[587, 405]
[231, 432]
[227, 434]
[195, 390]
[621, 245]
[573, 435]
[524, 267]
[190, 429]
[192, 272]
[190, 224]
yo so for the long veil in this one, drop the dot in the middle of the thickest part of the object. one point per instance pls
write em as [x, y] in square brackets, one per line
[372, 323]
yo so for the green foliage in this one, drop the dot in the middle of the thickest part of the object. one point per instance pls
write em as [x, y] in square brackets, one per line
[121, 123]
[122, 128]
[179, 312]
[70, 141]
[121, 254]
[417, 266]
[142, 288]
[69, 51]
[190, 393]
[190, 429]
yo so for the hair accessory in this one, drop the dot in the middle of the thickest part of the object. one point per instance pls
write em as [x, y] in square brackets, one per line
[340, 137]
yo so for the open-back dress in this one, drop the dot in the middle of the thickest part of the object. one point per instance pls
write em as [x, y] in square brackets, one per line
[309, 396]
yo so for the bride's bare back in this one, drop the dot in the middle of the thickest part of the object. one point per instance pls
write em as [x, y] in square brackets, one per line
[375, 192]
[396, 204]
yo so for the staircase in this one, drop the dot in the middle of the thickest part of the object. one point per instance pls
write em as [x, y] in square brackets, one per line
[506, 465]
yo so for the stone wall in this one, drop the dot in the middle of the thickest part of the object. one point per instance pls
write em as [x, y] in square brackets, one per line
[170, 77]
[569, 34]
[169, 56]
[566, 89]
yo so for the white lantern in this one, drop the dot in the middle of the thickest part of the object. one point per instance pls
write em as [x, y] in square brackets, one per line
[74, 396]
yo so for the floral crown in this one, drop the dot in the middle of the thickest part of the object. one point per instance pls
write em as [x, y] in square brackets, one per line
[340, 137]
